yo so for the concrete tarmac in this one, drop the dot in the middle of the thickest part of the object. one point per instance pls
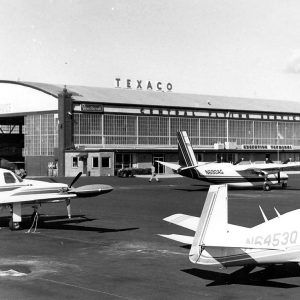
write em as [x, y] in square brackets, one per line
[110, 248]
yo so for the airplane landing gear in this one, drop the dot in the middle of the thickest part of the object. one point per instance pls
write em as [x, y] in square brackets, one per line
[284, 185]
[14, 225]
[34, 219]
[267, 187]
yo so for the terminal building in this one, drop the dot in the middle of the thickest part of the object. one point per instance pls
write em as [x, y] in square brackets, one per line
[61, 130]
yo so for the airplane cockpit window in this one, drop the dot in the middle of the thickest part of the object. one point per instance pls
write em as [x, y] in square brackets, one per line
[9, 178]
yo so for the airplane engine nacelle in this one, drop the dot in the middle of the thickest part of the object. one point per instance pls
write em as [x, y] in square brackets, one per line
[91, 190]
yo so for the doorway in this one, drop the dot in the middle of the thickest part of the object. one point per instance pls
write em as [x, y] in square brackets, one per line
[159, 169]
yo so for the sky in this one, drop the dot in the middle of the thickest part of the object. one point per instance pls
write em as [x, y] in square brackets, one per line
[237, 48]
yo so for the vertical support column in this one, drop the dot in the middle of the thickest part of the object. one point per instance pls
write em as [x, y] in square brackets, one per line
[253, 134]
[227, 130]
[65, 128]
[137, 130]
[102, 131]
[169, 123]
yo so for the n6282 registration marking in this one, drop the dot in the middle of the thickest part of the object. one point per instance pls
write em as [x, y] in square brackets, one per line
[274, 239]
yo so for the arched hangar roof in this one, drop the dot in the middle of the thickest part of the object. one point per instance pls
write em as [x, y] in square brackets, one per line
[152, 98]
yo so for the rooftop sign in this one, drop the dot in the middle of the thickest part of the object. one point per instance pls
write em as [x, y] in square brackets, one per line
[140, 85]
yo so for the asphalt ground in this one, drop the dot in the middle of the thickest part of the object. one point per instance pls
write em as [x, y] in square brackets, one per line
[110, 248]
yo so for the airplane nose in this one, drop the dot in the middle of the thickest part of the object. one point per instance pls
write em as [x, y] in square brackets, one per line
[105, 188]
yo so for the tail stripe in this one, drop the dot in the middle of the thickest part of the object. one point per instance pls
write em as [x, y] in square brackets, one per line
[202, 225]
[186, 149]
[214, 213]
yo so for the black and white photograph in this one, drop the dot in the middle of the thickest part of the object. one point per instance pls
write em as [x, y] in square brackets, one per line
[149, 149]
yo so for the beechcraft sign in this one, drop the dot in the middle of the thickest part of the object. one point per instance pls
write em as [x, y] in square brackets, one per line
[140, 85]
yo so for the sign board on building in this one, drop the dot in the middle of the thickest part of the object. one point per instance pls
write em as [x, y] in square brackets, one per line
[91, 107]
[267, 147]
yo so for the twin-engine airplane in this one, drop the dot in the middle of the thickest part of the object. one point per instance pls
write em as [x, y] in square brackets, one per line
[218, 243]
[234, 175]
[15, 192]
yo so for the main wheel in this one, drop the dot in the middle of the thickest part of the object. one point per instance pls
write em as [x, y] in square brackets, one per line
[284, 185]
[14, 225]
[267, 187]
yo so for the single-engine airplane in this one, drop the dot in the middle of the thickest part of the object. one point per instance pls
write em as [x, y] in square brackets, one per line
[238, 175]
[15, 192]
[218, 243]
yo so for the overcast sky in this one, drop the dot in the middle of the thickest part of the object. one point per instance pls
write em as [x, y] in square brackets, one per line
[246, 48]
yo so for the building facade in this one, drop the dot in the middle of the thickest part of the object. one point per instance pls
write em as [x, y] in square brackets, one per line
[98, 131]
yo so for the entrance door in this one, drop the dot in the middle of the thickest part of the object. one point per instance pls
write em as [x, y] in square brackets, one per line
[159, 169]
[123, 160]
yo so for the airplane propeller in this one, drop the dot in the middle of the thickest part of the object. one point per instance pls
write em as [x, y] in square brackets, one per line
[90, 190]
[75, 179]
[68, 201]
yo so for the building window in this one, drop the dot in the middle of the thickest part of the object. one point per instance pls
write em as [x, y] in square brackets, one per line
[41, 134]
[123, 160]
[105, 162]
[75, 162]
[95, 162]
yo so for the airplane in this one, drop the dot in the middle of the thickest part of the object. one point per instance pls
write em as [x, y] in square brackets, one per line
[16, 192]
[235, 175]
[218, 243]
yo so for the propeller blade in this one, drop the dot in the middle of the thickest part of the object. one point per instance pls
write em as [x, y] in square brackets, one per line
[278, 177]
[68, 203]
[75, 179]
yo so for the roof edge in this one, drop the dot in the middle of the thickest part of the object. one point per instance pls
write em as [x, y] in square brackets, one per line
[31, 86]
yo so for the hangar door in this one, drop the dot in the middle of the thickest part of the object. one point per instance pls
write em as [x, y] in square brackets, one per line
[12, 138]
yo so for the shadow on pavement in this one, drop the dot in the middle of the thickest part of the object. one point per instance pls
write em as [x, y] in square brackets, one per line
[244, 277]
[62, 223]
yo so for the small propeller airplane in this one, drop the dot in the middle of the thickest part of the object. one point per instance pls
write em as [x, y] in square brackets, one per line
[218, 243]
[16, 192]
[238, 175]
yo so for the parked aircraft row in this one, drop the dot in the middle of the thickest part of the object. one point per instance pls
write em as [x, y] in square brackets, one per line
[215, 241]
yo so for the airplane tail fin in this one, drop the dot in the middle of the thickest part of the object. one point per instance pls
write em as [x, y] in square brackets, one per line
[186, 155]
[212, 226]
[185, 151]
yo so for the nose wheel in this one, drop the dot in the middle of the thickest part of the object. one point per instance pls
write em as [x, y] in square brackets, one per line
[267, 187]
[14, 225]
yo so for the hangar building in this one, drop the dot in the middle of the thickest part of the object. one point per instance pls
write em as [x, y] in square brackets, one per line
[59, 130]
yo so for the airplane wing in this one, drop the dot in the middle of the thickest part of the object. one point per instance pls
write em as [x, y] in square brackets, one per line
[176, 167]
[273, 168]
[183, 220]
[169, 165]
[33, 198]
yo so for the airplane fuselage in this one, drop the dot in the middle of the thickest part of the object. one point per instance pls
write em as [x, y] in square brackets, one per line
[281, 235]
[219, 173]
